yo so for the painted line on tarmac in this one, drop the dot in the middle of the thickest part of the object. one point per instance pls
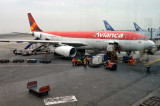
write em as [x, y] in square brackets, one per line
[59, 100]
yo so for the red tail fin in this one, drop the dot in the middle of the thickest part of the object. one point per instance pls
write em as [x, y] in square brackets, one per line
[33, 24]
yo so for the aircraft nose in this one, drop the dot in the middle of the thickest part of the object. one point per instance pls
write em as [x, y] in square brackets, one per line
[149, 44]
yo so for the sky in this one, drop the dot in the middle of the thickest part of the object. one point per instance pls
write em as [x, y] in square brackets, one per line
[78, 15]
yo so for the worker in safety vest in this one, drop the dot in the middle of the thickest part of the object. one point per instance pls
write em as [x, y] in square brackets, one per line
[88, 59]
[15, 52]
[85, 62]
[73, 60]
[80, 60]
[131, 61]
[109, 65]
[35, 53]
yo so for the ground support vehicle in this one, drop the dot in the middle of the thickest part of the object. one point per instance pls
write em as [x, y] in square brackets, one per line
[17, 52]
[36, 89]
[27, 53]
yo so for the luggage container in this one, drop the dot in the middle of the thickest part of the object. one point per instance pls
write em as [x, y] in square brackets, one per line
[126, 58]
[97, 59]
[104, 56]
[95, 62]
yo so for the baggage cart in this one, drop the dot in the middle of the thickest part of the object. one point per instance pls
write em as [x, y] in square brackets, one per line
[35, 88]
[31, 60]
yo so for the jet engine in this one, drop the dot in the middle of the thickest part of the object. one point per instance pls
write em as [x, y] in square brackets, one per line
[67, 51]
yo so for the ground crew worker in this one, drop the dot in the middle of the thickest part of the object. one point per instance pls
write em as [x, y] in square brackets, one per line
[80, 60]
[88, 60]
[35, 53]
[131, 61]
[15, 52]
[109, 65]
[85, 63]
[73, 60]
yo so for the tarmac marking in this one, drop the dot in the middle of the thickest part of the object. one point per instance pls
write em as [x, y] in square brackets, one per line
[59, 100]
[7, 46]
[152, 62]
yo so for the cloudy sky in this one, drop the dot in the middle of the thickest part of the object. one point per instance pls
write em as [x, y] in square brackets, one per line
[78, 15]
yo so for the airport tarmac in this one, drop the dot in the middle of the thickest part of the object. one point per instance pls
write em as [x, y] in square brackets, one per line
[126, 86]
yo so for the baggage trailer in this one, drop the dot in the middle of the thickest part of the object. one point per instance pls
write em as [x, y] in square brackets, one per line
[4, 61]
[31, 60]
[35, 88]
[18, 60]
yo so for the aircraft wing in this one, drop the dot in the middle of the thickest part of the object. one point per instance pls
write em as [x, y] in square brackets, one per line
[71, 43]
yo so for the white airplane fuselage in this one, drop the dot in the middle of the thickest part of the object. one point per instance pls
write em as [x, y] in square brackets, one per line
[101, 44]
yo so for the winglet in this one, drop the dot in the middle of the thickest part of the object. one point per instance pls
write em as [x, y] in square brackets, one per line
[137, 27]
[33, 24]
[108, 26]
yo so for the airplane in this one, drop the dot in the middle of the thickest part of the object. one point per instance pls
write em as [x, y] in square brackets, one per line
[108, 26]
[137, 27]
[67, 43]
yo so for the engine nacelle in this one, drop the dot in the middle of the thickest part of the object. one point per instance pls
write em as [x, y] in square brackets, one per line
[67, 51]
[36, 34]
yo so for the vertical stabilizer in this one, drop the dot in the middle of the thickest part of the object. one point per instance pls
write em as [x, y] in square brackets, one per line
[137, 27]
[33, 24]
[108, 26]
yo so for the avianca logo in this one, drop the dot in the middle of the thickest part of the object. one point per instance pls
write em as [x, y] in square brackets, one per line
[33, 26]
[107, 35]
[108, 27]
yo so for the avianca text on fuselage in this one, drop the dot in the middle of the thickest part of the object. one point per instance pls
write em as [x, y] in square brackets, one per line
[108, 35]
